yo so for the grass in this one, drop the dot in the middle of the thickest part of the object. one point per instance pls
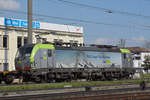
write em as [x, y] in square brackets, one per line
[145, 76]
[73, 84]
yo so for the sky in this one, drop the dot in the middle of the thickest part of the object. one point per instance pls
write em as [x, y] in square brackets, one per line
[104, 21]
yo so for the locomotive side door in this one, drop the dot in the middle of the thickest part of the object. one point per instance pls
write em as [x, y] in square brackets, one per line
[124, 60]
[127, 60]
[125, 57]
[41, 58]
[46, 58]
[50, 56]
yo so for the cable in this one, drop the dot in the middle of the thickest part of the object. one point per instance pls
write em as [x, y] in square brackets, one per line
[147, 0]
[77, 20]
[104, 9]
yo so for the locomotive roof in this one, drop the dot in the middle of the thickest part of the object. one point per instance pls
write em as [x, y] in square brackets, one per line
[90, 48]
[82, 48]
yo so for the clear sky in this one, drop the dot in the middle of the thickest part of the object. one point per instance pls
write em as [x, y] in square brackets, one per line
[127, 19]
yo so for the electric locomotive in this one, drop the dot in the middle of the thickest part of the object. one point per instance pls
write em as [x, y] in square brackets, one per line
[53, 63]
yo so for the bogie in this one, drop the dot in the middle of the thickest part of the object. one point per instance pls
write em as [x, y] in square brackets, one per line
[8, 79]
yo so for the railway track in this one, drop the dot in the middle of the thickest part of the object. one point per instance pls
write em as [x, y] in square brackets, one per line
[75, 93]
[113, 94]
[100, 87]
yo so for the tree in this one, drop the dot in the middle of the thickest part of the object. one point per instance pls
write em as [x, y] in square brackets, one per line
[146, 62]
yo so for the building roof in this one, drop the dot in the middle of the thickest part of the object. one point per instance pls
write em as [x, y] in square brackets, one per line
[138, 49]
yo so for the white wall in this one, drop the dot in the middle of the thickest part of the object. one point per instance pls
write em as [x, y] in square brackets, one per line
[12, 49]
[58, 27]
[143, 55]
[138, 63]
[43, 25]
[1, 20]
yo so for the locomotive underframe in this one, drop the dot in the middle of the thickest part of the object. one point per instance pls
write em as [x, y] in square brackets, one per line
[69, 74]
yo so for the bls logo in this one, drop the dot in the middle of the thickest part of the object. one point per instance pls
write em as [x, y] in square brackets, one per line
[20, 23]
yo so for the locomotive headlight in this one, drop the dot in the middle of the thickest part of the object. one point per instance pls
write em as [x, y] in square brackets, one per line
[27, 55]
[19, 62]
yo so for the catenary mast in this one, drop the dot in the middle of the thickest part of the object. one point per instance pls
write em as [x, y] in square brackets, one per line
[29, 21]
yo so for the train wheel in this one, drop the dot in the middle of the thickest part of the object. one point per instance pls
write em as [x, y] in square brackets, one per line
[25, 79]
[9, 79]
[38, 79]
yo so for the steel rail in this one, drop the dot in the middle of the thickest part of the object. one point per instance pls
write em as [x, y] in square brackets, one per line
[119, 94]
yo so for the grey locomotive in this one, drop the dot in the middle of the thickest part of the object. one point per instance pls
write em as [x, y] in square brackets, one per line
[53, 63]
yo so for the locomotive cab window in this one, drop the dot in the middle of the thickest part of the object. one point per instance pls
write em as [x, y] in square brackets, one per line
[125, 56]
[49, 53]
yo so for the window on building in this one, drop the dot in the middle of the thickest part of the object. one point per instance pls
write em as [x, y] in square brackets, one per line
[71, 41]
[55, 40]
[58, 40]
[19, 41]
[5, 41]
[1, 45]
[25, 40]
[5, 66]
[75, 41]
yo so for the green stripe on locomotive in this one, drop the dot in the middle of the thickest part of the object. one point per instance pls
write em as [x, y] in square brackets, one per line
[39, 46]
[125, 51]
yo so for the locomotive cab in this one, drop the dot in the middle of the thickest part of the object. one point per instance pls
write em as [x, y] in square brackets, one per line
[44, 62]
[34, 56]
[22, 57]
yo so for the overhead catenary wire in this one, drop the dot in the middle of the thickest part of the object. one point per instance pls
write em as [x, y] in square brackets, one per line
[77, 20]
[103, 9]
